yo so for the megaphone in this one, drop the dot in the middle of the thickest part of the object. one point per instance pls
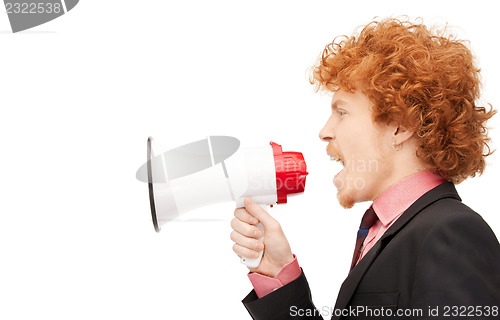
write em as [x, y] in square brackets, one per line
[215, 170]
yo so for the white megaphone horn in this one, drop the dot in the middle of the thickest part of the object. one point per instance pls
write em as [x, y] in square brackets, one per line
[215, 170]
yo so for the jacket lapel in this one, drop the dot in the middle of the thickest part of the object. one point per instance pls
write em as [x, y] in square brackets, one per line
[444, 190]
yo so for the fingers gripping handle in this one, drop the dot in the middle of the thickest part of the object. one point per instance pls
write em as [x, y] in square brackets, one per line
[254, 263]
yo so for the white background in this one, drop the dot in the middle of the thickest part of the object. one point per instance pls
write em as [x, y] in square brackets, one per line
[80, 95]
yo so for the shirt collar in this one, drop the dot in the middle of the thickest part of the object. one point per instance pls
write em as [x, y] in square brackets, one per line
[401, 195]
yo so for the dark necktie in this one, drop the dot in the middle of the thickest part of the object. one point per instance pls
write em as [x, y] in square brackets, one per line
[369, 219]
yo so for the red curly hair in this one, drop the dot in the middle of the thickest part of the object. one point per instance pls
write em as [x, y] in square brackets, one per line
[425, 82]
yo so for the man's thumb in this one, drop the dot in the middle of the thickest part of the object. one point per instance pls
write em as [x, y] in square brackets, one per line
[258, 212]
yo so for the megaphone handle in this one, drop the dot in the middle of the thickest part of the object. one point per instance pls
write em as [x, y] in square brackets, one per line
[254, 263]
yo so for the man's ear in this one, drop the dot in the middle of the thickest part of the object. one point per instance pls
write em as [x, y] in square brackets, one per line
[402, 135]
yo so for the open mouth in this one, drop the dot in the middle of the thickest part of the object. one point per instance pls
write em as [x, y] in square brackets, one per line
[337, 158]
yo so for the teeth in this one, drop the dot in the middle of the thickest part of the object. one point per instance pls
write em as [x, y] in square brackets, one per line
[336, 158]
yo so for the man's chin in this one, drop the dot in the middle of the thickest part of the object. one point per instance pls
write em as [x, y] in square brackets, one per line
[345, 199]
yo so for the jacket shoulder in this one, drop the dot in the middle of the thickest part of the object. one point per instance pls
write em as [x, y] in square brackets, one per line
[458, 259]
[450, 212]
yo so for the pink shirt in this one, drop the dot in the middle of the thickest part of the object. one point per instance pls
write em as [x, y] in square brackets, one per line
[388, 206]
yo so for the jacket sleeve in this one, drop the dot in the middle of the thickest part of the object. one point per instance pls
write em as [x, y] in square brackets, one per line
[458, 268]
[292, 301]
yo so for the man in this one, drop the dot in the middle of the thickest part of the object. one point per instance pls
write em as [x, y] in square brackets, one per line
[406, 124]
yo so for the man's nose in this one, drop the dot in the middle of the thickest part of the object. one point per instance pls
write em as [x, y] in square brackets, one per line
[326, 134]
[324, 137]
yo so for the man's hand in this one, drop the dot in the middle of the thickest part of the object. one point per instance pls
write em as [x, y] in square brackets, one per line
[277, 250]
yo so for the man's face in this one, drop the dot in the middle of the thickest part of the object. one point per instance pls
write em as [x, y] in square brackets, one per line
[363, 146]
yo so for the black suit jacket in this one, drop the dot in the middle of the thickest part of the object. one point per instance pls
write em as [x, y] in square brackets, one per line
[439, 257]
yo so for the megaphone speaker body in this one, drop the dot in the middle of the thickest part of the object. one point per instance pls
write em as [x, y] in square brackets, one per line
[215, 170]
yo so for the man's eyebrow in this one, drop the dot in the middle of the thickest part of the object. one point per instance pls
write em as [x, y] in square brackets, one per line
[337, 102]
